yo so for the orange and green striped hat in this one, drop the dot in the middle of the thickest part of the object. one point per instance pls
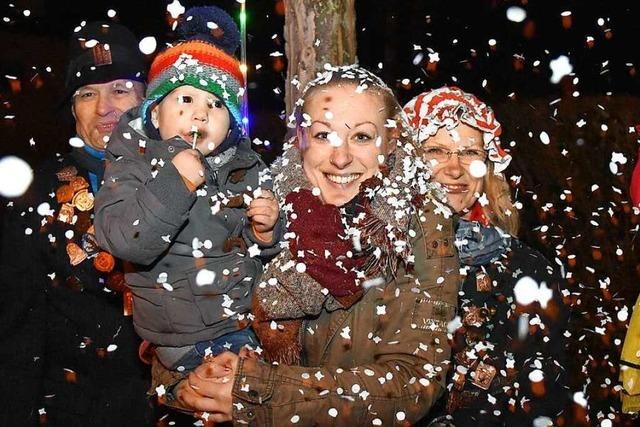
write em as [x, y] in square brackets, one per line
[204, 59]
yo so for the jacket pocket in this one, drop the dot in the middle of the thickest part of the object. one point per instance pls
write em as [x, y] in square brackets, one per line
[149, 310]
[441, 247]
[432, 315]
[222, 288]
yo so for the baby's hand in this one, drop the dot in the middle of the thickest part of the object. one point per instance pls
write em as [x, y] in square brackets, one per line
[263, 213]
[190, 167]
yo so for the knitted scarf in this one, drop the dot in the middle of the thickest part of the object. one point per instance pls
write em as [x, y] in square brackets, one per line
[334, 253]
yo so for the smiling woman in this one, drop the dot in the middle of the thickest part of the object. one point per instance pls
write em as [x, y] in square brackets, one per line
[509, 357]
[352, 314]
[343, 146]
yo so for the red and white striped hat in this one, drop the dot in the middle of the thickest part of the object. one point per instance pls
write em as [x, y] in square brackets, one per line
[449, 106]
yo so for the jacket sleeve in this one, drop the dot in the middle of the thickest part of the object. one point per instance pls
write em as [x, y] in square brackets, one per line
[408, 367]
[139, 212]
[547, 345]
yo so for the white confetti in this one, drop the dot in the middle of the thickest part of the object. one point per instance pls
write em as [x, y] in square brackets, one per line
[175, 9]
[536, 375]
[254, 250]
[345, 333]
[528, 291]
[516, 14]
[148, 45]
[15, 176]
[160, 390]
[560, 67]
[477, 169]
[205, 277]
[44, 209]
[544, 138]
[618, 158]
[623, 314]
[579, 398]
[76, 142]
[334, 139]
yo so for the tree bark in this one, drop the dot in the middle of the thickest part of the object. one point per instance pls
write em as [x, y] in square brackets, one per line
[316, 32]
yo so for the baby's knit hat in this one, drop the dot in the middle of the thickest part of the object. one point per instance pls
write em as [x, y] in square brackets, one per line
[204, 58]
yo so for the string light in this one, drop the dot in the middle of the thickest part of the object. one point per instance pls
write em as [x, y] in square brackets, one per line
[243, 65]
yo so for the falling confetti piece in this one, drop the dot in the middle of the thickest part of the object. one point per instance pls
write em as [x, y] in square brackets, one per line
[544, 138]
[560, 67]
[205, 277]
[148, 45]
[478, 169]
[527, 291]
[516, 14]
[175, 9]
[160, 390]
[15, 176]
[76, 142]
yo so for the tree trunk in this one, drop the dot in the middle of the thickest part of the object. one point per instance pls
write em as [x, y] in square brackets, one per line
[316, 32]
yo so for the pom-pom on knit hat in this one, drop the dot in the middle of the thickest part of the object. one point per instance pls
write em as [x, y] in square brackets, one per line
[203, 59]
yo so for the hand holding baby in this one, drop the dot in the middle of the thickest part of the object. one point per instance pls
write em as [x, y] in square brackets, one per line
[263, 213]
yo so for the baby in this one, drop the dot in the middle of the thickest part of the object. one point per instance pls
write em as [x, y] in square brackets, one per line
[183, 199]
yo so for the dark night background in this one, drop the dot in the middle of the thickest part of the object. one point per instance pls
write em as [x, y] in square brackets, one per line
[592, 231]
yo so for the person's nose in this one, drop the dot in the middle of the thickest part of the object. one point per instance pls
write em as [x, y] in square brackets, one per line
[341, 156]
[200, 113]
[106, 105]
[452, 167]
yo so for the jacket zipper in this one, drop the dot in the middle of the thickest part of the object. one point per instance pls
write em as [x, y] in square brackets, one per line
[302, 340]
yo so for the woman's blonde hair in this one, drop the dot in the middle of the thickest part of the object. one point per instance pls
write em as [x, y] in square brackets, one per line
[500, 211]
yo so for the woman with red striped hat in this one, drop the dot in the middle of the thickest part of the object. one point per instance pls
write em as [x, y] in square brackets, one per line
[508, 364]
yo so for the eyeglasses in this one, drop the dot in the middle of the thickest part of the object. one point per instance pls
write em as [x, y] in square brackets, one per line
[465, 156]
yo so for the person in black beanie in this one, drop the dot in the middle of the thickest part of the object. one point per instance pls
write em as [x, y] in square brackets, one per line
[68, 349]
